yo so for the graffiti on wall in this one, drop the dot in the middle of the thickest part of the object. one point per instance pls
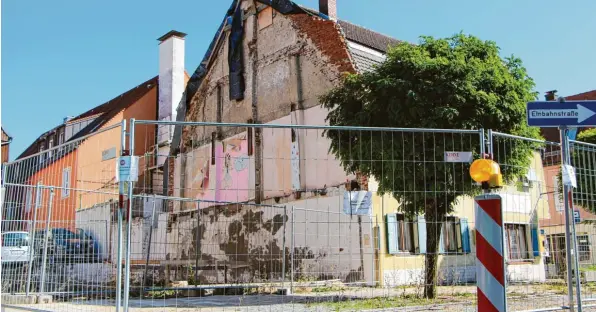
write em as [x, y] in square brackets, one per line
[227, 179]
[232, 163]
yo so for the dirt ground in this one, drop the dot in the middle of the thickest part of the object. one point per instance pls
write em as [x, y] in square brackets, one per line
[333, 298]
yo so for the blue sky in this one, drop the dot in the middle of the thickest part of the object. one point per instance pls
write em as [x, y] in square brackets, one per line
[64, 57]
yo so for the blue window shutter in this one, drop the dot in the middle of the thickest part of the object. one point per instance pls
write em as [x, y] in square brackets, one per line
[391, 233]
[441, 245]
[422, 234]
[465, 235]
[534, 233]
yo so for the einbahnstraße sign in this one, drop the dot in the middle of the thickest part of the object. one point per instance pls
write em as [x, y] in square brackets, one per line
[557, 114]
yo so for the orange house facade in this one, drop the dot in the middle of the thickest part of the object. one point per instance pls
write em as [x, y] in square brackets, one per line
[73, 166]
[81, 172]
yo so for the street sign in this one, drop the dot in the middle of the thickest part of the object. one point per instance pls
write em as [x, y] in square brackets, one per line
[556, 114]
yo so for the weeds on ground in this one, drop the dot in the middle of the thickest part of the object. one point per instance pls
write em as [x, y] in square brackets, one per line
[323, 289]
[588, 268]
[555, 288]
[161, 294]
[378, 303]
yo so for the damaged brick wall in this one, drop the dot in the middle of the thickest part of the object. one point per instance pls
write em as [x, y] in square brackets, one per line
[249, 243]
[298, 58]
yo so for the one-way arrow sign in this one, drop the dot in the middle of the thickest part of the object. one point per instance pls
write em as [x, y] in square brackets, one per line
[556, 114]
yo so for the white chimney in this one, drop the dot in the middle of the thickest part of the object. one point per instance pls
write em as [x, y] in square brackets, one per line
[171, 75]
[171, 85]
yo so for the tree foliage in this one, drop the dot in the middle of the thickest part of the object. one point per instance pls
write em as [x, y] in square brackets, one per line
[460, 82]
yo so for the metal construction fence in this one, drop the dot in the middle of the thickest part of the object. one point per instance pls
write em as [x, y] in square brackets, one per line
[282, 216]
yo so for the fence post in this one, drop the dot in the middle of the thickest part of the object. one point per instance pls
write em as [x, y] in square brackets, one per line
[2, 191]
[569, 203]
[490, 144]
[150, 239]
[292, 255]
[568, 251]
[482, 142]
[283, 252]
[373, 248]
[120, 229]
[38, 189]
[198, 246]
[131, 147]
[44, 257]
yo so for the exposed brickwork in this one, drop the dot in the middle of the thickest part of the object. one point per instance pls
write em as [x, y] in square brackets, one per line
[362, 180]
[326, 36]
[170, 190]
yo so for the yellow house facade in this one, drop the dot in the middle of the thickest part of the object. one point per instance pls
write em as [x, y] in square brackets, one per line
[402, 240]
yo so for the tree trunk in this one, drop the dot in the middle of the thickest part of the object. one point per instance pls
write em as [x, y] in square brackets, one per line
[433, 218]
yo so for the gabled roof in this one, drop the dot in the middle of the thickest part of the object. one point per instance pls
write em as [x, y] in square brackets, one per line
[358, 34]
[367, 37]
[6, 133]
[590, 95]
[107, 110]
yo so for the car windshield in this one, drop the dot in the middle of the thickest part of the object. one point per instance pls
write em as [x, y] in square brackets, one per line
[64, 234]
[15, 239]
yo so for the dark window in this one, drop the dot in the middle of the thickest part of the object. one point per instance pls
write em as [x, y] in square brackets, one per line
[401, 234]
[517, 241]
[451, 238]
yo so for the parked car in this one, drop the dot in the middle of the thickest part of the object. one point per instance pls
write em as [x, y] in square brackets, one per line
[15, 247]
[66, 245]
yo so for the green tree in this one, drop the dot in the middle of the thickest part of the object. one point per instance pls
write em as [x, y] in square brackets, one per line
[460, 82]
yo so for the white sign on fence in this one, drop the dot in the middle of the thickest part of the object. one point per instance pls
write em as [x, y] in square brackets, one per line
[569, 176]
[463, 157]
[128, 168]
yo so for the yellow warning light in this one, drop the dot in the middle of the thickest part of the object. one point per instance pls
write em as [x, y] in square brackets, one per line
[486, 170]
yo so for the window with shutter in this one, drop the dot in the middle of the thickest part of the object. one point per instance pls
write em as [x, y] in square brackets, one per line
[65, 182]
[454, 236]
[517, 241]
[28, 199]
[38, 191]
[42, 155]
[465, 235]
[50, 145]
[449, 240]
[400, 234]
[421, 235]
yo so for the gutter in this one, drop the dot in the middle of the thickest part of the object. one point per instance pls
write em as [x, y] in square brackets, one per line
[7, 142]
